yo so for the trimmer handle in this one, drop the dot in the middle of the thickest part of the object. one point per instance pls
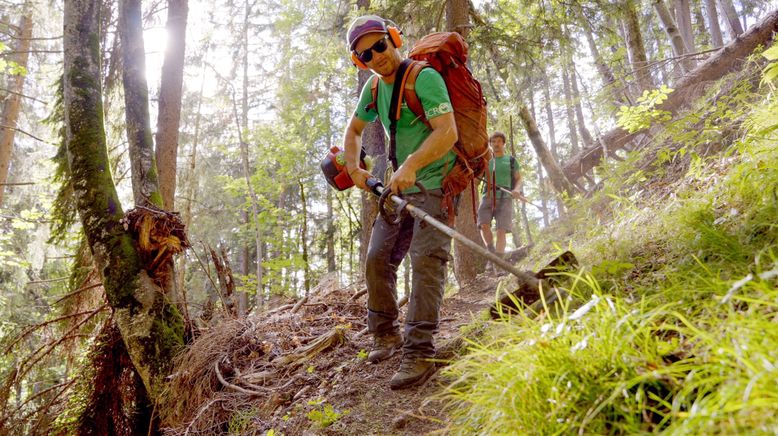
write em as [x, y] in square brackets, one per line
[375, 185]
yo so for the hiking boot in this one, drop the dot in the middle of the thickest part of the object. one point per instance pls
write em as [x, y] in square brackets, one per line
[384, 347]
[412, 372]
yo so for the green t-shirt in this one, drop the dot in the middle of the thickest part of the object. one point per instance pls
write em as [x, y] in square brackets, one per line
[411, 131]
[501, 168]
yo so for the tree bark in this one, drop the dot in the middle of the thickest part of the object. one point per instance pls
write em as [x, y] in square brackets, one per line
[549, 116]
[674, 34]
[702, 34]
[304, 239]
[635, 46]
[458, 17]
[191, 177]
[243, 126]
[605, 72]
[374, 144]
[713, 23]
[170, 89]
[555, 174]
[725, 60]
[145, 186]
[13, 101]
[151, 329]
[330, 234]
[683, 17]
[574, 147]
[586, 136]
[730, 18]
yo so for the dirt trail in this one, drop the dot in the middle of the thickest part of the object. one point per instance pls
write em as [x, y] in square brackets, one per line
[363, 389]
[301, 369]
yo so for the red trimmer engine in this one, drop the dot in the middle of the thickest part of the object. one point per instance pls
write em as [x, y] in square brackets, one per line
[334, 168]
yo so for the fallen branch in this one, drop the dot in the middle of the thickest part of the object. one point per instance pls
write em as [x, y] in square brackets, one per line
[227, 384]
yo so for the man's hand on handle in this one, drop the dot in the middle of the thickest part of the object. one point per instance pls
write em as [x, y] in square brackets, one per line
[402, 179]
[360, 176]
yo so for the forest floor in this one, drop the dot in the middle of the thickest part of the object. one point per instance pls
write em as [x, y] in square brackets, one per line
[301, 370]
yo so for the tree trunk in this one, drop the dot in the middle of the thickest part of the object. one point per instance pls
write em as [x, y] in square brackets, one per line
[713, 23]
[542, 191]
[242, 125]
[13, 100]
[151, 329]
[605, 72]
[574, 147]
[635, 46]
[701, 32]
[170, 88]
[145, 186]
[330, 235]
[725, 60]
[683, 17]
[588, 140]
[555, 174]
[304, 239]
[549, 117]
[374, 144]
[458, 17]
[676, 39]
[466, 264]
[730, 18]
[191, 177]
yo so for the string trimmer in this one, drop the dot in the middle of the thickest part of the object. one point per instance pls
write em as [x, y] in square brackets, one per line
[334, 169]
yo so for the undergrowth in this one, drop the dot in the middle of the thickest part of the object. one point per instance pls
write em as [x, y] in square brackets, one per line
[673, 321]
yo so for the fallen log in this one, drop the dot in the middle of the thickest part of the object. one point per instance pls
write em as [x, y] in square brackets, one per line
[726, 59]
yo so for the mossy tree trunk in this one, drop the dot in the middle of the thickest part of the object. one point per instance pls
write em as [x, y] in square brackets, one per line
[145, 185]
[151, 329]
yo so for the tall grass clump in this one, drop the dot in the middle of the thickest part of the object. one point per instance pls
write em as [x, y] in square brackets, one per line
[673, 322]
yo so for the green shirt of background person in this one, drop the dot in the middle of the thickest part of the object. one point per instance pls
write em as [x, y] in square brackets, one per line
[499, 171]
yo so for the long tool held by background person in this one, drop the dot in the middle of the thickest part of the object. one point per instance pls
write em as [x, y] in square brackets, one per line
[524, 199]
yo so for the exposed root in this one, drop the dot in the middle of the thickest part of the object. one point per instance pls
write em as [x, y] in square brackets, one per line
[160, 235]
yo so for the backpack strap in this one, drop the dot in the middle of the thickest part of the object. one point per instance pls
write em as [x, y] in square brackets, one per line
[411, 98]
[395, 107]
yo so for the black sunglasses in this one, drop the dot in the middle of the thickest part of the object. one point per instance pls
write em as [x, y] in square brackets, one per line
[367, 55]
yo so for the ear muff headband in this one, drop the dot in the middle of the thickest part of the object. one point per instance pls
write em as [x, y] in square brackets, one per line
[395, 36]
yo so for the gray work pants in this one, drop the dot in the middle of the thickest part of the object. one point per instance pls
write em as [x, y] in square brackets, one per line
[429, 254]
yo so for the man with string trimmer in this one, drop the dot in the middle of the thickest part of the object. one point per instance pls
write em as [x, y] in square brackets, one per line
[427, 146]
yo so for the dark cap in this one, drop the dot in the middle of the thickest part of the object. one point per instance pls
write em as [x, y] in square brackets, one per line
[363, 25]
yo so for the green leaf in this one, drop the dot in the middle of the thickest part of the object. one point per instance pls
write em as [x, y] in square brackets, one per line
[770, 73]
[771, 53]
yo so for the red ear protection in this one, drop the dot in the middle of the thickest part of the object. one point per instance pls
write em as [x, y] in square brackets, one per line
[395, 36]
[357, 63]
